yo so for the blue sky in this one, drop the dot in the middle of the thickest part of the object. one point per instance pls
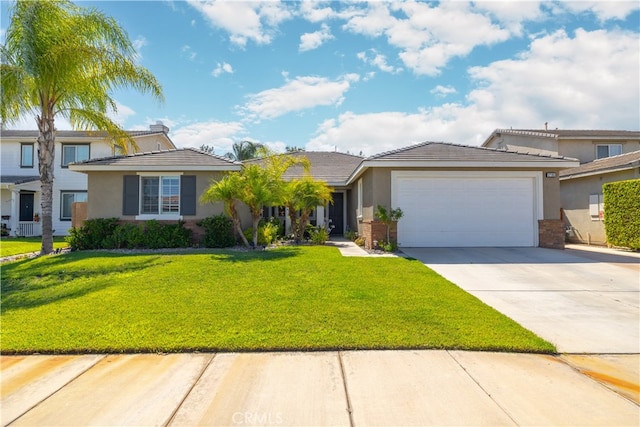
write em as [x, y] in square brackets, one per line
[369, 77]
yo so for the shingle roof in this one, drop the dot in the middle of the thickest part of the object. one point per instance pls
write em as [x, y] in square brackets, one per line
[441, 151]
[608, 164]
[329, 166]
[186, 158]
[9, 133]
[17, 179]
[574, 133]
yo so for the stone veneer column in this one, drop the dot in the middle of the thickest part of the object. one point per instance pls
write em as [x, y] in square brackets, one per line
[551, 233]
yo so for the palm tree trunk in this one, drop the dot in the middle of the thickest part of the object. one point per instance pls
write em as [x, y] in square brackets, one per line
[46, 153]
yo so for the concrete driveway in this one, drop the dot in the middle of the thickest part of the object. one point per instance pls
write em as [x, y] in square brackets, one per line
[583, 301]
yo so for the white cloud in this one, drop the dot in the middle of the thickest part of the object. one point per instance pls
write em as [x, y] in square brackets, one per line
[512, 14]
[603, 10]
[443, 91]
[310, 41]
[557, 81]
[188, 53]
[220, 135]
[295, 95]
[429, 37]
[222, 68]
[138, 44]
[244, 21]
[377, 60]
[122, 114]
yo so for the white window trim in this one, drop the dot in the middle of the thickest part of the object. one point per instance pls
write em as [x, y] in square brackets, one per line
[608, 150]
[596, 207]
[158, 216]
[68, 144]
[62, 193]
[22, 158]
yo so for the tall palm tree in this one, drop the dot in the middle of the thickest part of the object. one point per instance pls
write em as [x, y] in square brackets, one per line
[63, 60]
[244, 150]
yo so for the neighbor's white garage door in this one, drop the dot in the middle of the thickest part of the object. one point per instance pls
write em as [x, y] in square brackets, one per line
[467, 209]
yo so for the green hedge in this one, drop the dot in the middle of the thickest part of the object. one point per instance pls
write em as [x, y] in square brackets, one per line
[107, 233]
[622, 213]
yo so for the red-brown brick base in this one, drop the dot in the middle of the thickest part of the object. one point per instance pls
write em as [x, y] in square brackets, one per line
[551, 233]
[376, 231]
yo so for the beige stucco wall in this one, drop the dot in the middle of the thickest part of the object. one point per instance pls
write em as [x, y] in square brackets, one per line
[575, 204]
[585, 150]
[581, 149]
[105, 192]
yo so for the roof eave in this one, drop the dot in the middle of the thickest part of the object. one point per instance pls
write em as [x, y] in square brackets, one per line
[598, 172]
[154, 168]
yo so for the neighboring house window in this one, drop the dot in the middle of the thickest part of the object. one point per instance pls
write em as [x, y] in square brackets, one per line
[160, 196]
[608, 150]
[67, 199]
[74, 153]
[26, 155]
[596, 207]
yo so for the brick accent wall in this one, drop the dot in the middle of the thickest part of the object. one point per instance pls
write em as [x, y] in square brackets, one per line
[551, 233]
[377, 231]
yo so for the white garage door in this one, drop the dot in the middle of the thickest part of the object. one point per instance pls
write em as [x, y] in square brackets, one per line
[467, 209]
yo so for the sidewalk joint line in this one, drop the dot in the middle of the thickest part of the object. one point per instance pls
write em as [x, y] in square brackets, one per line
[346, 389]
[35, 405]
[503, 409]
[175, 411]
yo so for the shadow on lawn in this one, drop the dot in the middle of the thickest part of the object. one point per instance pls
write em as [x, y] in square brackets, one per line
[258, 255]
[25, 285]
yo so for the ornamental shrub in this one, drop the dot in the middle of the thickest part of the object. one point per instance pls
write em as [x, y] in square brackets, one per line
[267, 232]
[622, 213]
[93, 235]
[218, 232]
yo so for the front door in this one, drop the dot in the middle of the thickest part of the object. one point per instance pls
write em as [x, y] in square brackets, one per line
[336, 213]
[26, 206]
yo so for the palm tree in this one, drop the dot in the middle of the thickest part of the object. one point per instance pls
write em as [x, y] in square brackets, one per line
[245, 150]
[304, 195]
[63, 60]
[228, 190]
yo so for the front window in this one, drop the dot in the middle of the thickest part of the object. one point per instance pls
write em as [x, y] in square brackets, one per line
[160, 195]
[68, 198]
[608, 150]
[26, 155]
[74, 153]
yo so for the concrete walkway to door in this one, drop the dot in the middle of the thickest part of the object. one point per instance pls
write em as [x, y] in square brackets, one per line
[582, 301]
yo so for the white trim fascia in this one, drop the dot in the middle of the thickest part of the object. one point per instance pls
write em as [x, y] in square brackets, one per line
[169, 168]
[598, 172]
[401, 164]
[156, 174]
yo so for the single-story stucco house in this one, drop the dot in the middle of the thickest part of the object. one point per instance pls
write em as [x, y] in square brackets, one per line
[451, 195]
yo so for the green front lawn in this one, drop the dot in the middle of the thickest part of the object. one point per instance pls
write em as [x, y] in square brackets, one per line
[292, 298]
[23, 245]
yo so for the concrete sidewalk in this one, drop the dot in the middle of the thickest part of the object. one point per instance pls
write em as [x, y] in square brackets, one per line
[352, 388]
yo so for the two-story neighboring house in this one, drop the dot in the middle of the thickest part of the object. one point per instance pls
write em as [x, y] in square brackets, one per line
[20, 178]
[604, 155]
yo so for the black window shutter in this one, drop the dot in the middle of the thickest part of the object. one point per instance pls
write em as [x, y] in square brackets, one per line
[188, 197]
[130, 198]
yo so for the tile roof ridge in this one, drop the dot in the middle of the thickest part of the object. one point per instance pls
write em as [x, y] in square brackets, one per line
[616, 157]
[398, 150]
[529, 132]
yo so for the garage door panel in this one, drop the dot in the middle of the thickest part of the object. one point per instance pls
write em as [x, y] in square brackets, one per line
[465, 211]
